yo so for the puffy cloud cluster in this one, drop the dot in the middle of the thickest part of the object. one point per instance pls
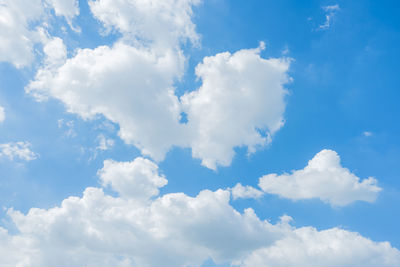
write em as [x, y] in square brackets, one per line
[322, 178]
[308, 247]
[240, 102]
[22, 24]
[17, 150]
[141, 228]
[160, 24]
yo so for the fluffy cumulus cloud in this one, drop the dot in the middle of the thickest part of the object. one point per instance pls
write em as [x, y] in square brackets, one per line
[67, 8]
[174, 229]
[240, 103]
[138, 179]
[322, 178]
[17, 37]
[128, 85]
[161, 24]
[2, 114]
[308, 247]
[17, 150]
[132, 83]
[240, 191]
[23, 23]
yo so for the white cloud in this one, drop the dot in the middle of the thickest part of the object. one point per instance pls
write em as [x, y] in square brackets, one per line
[67, 8]
[2, 114]
[322, 178]
[98, 229]
[104, 143]
[17, 150]
[368, 134]
[132, 84]
[159, 24]
[240, 103]
[17, 38]
[138, 179]
[330, 13]
[23, 23]
[129, 86]
[307, 247]
[240, 191]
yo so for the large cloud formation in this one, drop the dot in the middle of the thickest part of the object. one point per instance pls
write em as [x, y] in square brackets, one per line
[240, 103]
[322, 178]
[138, 227]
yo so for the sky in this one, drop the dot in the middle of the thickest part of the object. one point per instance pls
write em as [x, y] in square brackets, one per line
[199, 133]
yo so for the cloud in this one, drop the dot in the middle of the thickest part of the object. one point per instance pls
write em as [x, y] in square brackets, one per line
[68, 126]
[132, 83]
[239, 104]
[104, 143]
[159, 24]
[308, 247]
[23, 24]
[17, 150]
[138, 227]
[240, 191]
[330, 13]
[129, 86]
[67, 8]
[368, 134]
[2, 114]
[138, 179]
[17, 38]
[322, 178]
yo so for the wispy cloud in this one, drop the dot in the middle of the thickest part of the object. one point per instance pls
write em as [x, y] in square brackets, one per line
[330, 14]
[17, 150]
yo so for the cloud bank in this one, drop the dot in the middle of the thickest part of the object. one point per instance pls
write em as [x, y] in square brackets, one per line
[139, 227]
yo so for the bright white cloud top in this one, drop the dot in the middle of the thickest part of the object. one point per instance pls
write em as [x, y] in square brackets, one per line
[126, 230]
[322, 178]
[17, 150]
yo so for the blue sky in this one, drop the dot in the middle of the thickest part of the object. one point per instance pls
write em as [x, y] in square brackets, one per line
[330, 68]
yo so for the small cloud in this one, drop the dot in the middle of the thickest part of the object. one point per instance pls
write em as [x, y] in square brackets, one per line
[103, 144]
[285, 50]
[2, 114]
[367, 134]
[330, 13]
[240, 191]
[68, 126]
[331, 8]
[17, 150]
